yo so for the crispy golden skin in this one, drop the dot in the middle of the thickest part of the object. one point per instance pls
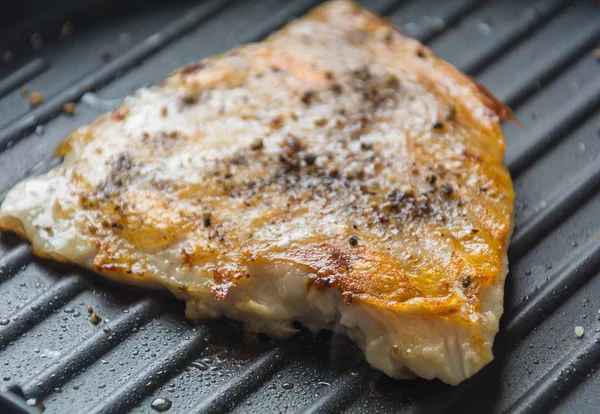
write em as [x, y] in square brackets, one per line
[337, 145]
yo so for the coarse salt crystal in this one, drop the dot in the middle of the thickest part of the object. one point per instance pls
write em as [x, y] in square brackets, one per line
[579, 331]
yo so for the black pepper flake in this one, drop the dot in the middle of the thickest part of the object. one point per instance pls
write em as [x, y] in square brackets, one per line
[310, 159]
[432, 179]
[423, 208]
[466, 281]
[474, 231]
[438, 125]
[447, 189]
[353, 240]
[366, 146]
[421, 53]
[257, 144]
[336, 88]
[307, 97]
[206, 218]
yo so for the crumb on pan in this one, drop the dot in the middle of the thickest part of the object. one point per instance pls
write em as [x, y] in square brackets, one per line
[36, 98]
[69, 108]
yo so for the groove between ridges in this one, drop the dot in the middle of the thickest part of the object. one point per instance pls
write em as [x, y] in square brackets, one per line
[92, 349]
[13, 260]
[557, 382]
[546, 68]
[40, 308]
[150, 45]
[570, 197]
[132, 392]
[253, 375]
[26, 72]
[341, 393]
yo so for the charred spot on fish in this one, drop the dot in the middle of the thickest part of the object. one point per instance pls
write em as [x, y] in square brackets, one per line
[450, 113]
[193, 68]
[466, 281]
[206, 218]
[189, 99]
[120, 113]
[502, 111]
[347, 298]
[321, 122]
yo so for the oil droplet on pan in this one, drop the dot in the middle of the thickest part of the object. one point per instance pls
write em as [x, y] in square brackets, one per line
[161, 404]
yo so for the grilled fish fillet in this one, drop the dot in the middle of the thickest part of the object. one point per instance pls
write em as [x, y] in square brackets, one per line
[337, 174]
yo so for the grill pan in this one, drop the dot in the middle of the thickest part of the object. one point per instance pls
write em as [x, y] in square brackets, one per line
[536, 56]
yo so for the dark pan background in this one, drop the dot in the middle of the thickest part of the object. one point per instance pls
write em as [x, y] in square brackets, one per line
[537, 56]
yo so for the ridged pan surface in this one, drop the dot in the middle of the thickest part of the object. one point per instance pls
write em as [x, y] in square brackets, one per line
[537, 56]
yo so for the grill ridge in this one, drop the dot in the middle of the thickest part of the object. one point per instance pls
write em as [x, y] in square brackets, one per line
[574, 194]
[254, 374]
[341, 393]
[548, 389]
[15, 259]
[450, 13]
[557, 290]
[107, 72]
[475, 61]
[92, 349]
[28, 71]
[158, 372]
[542, 71]
[41, 307]
[559, 124]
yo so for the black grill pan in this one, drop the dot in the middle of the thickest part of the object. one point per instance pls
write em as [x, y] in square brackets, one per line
[537, 56]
